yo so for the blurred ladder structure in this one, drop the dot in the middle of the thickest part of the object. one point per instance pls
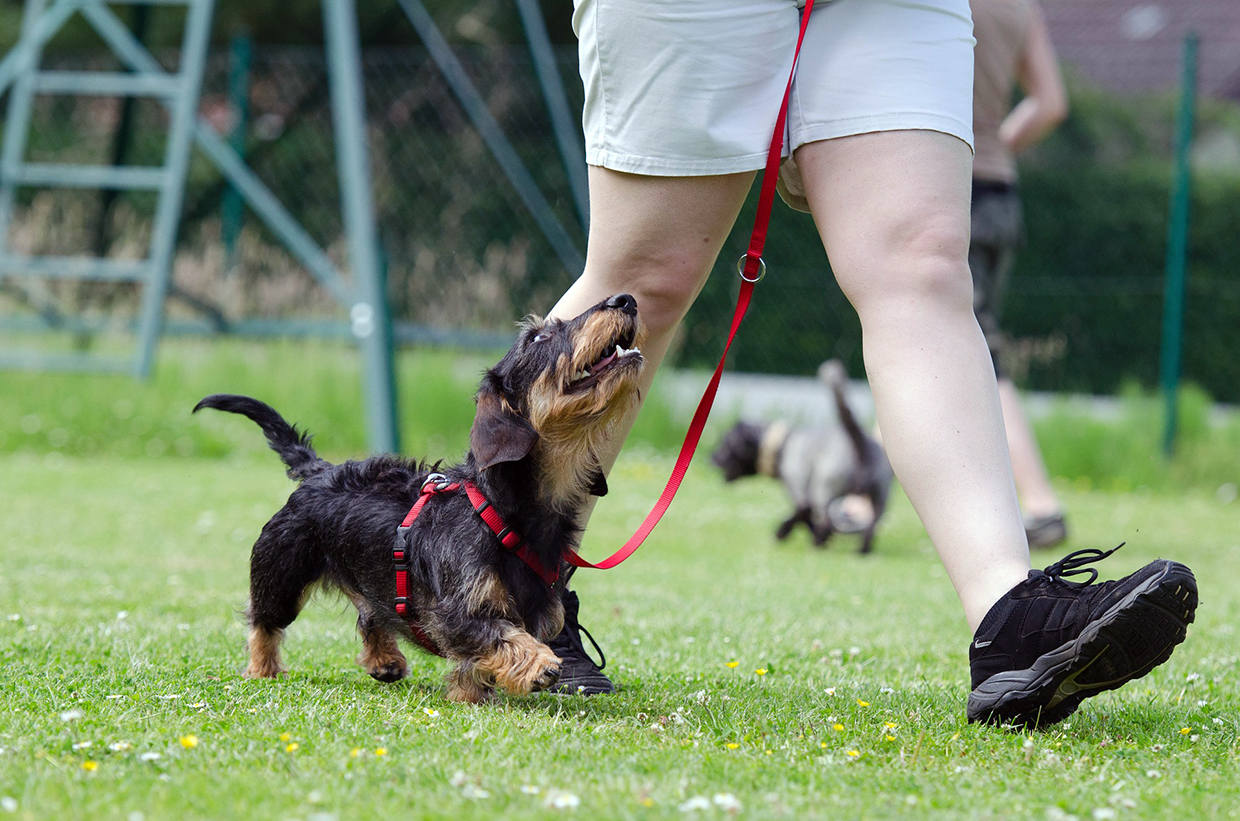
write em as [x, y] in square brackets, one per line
[178, 91]
[364, 298]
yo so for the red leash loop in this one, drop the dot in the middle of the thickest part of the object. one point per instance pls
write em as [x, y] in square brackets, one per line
[751, 269]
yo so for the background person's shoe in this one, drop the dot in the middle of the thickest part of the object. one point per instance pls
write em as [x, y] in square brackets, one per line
[1049, 644]
[1046, 531]
[579, 675]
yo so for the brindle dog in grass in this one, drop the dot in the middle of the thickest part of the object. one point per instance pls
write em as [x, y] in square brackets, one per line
[479, 593]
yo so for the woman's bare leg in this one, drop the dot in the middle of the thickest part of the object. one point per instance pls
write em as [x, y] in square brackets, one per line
[893, 211]
[656, 238]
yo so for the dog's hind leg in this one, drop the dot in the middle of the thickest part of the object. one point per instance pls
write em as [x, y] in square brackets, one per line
[799, 516]
[381, 656]
[878, 500]
[281, 573]
[822, 532]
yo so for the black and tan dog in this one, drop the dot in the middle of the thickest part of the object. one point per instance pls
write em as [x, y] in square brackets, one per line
[819, 466]
[476, 592]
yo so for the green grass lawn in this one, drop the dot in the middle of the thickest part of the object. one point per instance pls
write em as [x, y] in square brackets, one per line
[792, 682]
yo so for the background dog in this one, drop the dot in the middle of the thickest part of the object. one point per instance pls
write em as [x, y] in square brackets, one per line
[542, 414]
[818, 466]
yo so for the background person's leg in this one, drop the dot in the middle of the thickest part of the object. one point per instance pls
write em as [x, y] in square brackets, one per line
[1033, 483]
[893, 211]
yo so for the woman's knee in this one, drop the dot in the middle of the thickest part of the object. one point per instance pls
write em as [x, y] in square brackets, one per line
[664, 288]
[918, 264]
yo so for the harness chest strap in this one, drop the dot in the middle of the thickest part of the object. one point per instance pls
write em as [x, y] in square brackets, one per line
[508, 537]
[401, 558]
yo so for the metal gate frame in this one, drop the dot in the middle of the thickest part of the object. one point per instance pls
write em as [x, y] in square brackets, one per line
[366, 301]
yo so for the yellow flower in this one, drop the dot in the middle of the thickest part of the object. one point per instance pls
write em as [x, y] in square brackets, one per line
[285, 737]
[1185, 730]
[732, 745]
[189, 741]
[890, 737]
[839, 728]
[647, 802]
[292, 747]
[822, 744]
[355, 752]
[761, 671]
[381, 751]
[768, 752]
[732, 664]
[889, 725]
[854, 754]
[861, 703]
[90, 766]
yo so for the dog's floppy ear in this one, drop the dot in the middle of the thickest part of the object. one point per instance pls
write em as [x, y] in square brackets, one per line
[498, 434]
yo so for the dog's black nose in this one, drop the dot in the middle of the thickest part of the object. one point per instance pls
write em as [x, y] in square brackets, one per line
[623, 302]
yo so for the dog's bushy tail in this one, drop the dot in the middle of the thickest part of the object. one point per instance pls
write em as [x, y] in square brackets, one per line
[836, 378]
[292, 445]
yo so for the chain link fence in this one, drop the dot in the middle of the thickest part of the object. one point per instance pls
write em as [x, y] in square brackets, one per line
[464, 257]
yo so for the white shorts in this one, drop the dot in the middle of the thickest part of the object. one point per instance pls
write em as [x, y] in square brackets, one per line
[693, 87]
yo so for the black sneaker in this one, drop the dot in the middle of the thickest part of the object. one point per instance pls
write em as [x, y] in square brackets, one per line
[579, 675]
[1049, 644]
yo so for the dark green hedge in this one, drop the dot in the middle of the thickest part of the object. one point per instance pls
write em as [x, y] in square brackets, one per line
[1086, 298]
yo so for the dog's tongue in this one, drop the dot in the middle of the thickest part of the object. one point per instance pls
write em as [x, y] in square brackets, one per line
[603, 363]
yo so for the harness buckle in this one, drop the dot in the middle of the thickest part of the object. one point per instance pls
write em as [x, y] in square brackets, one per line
[435, 483]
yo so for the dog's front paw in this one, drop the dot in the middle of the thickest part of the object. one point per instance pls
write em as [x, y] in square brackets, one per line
[387, 666]
[521, 664]
[468, 685]
[550, 676]
[390, 672]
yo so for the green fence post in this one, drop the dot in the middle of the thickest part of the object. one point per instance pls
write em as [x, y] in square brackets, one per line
[232, 209]
[369, 315]
[1177, 249]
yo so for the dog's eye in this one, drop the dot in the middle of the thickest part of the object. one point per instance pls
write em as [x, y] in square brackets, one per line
[538, 338]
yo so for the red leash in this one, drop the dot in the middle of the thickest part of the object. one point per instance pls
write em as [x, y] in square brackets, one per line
[751, 269]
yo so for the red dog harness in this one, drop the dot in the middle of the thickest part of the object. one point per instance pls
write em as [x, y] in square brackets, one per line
[435, 484]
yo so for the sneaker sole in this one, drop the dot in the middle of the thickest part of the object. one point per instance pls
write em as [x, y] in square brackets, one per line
[1136, 635]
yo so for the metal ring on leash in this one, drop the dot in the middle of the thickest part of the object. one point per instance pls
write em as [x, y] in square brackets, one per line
[740, 269]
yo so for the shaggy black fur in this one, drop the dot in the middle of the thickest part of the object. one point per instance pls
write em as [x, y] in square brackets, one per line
[480, 604]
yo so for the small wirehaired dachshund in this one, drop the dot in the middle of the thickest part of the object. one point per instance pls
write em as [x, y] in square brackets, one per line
[470, 553]
[819, 466]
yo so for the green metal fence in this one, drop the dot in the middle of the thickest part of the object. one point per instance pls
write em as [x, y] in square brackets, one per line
[466, 253]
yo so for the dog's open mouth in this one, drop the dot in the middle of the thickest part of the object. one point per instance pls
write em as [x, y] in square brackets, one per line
[617, 353]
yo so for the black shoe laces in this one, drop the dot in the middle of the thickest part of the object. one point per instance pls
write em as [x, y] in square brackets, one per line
[1074, 564]
[602, 663]
[572, 628]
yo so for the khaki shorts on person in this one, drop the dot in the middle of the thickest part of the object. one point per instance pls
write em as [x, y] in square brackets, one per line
[693, 87]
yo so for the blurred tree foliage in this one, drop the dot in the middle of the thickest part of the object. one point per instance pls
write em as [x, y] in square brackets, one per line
[1085, 301]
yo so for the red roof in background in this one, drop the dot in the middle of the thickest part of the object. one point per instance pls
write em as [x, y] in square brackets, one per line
[1137, 45]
